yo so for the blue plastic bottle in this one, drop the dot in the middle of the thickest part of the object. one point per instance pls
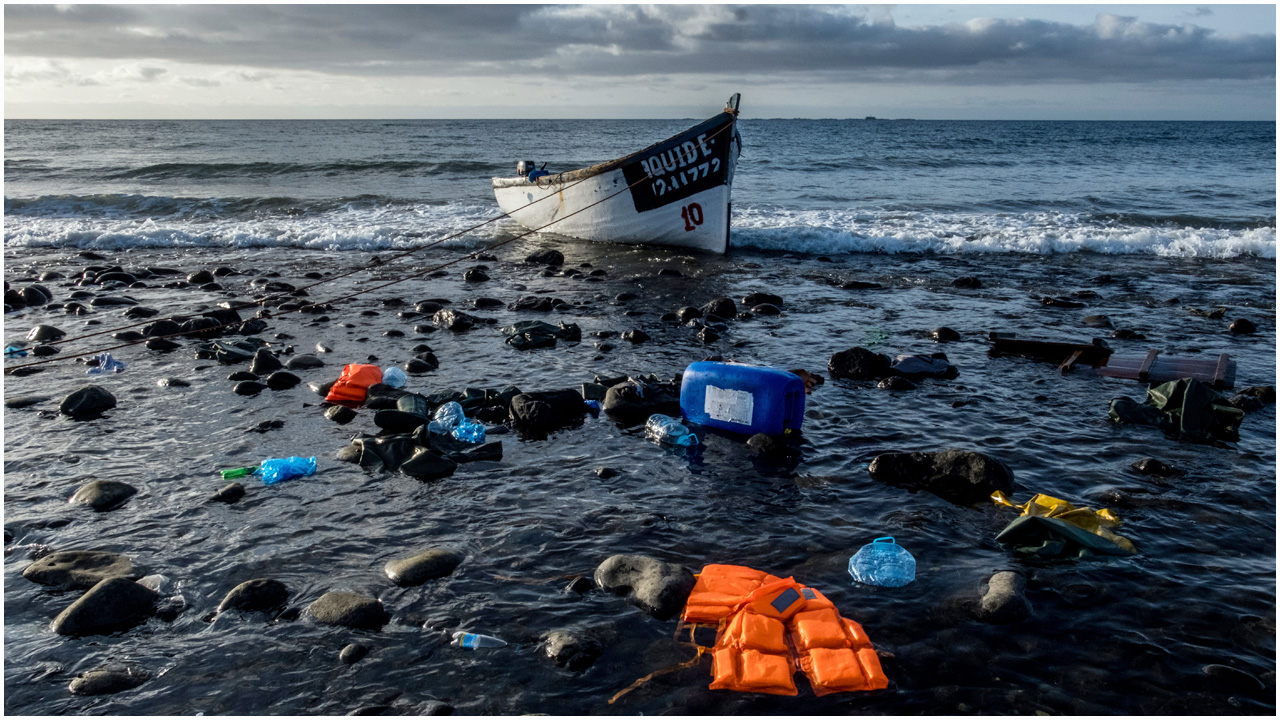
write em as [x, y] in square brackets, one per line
[447, 417]
[276, 470]
[883, 562]
[669, 430]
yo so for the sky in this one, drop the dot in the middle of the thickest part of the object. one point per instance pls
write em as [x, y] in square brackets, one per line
[998, 62]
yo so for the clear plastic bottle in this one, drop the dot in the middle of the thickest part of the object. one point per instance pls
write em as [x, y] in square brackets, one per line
[883, 562]
[448, 416]
[472, 641]
[275, 470]
[394, 377]
[666, 429]
[469, 431]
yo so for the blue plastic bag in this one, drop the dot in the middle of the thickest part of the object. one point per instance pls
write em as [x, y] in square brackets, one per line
[468, 431]
[275, 470]
[883, 562]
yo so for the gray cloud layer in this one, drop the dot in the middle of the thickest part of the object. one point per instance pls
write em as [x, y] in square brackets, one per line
[826, 42]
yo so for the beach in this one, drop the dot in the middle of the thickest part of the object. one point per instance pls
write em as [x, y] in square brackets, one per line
[860, 254]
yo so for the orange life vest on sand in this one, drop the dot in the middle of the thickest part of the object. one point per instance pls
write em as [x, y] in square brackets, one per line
[353, 384]
[770, 627]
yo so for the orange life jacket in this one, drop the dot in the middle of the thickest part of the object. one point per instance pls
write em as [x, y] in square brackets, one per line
[353, 384]
[771, 627]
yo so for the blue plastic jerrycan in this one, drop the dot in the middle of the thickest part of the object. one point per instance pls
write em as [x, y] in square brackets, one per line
[742, 398]
[883, 562]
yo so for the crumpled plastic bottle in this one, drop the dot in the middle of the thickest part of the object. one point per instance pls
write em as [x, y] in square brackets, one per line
[883, 562]
[276, 470]
[666, 429]
[448, 416]
[394, 377]
[468, 431]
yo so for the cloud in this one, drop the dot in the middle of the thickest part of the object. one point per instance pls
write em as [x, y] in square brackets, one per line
[824, 42]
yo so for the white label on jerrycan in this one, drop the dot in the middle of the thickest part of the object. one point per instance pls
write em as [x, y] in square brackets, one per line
[733, 406]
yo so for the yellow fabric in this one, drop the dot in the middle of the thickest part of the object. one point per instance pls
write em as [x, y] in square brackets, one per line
[1086, 519]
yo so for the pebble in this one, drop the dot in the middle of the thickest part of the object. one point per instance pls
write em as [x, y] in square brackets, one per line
[572, 651]
[304, 362]
[349, 610]
[635, 336]
[282, 380]
[945, 334]
[103, 495]
[248, 387]
[353, 653]
[264, 363]
[604, 473]
[22, 401]
[172, 382]
[1152, 466]
[258, 595]
[105, 681]
[340, 414]
[415, 570]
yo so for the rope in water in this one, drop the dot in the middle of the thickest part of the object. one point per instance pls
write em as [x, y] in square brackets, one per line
[471, 255]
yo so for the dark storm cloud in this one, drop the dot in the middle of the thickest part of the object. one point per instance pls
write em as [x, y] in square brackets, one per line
[826, 42]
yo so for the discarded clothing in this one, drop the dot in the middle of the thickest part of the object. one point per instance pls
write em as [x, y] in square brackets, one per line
[353, 384]
[531, 334]
[916, 366]
[1186, 408]
[772, 627]
[1050, 527]
[106, 364]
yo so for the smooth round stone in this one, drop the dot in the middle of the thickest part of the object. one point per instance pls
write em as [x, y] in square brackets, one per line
[349, 610]
[432, 564]
[304, 362]
[259, 595]
[353, 653]
[242, 375]
[340, 414]
[102, 495]
[111, 605]
[282, 380]
[77, 568]
[248, 387]
[105, 681]
[89, 401]
[229, 493]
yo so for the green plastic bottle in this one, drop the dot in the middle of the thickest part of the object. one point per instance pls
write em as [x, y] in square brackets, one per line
[238, 472]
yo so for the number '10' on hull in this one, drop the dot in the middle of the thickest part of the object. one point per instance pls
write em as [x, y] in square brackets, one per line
[674, 192]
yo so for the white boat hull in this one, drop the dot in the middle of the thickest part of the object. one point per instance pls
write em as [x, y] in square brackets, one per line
[674, 193]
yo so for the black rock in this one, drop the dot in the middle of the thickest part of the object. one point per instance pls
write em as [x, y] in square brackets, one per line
[967, 282]
[572, 651]
[200, 277]
[113, 604]
[685, 314]
[1247, 403]
[580, 585]
[546, 257]
[772, 448]
[537, 303]
[107, 680]
[1243, 326]
[1152, 466]
[267, 426]
[426, 464]
[304, 362]
[629, 403]
[1004, 600]
[656, 587]
[859, 364]
[228, 494]
[260, 595]
[264, 363]
[44, 350]
[546, 411]
[765, 309]
[45, 334]
[486, 302]
[103, 495]
[670, 272]
[81, 569]
[604, 473]
[1265, 393]
[635, 336]
[418, 365]
[429, 565]
[1060, 302]
[1097, 321]
[858, 285]
[475, 274]
[349, 610]
[282, 380]
[322, 388]
[721, 307]
[87, 402]
[248, 387]
[242, 375]
[22, 401]
[453, 320]
[945, 334]
[896, 382]
[32, 296]
[1235, 679]
[961, 476]
[340, 414]
[162, 345]
[761, 298]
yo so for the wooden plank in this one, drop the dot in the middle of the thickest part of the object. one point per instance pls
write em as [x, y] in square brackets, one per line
[1145, 370]
[1070, 363]
[1220, 372]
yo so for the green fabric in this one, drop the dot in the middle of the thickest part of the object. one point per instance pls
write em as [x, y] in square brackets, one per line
[1049, 537]
[1187, 408]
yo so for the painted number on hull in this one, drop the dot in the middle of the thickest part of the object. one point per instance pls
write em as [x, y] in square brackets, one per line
[677, 180]
[692, 214]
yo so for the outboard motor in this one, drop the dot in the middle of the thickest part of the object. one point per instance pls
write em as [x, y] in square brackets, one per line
[524, 167]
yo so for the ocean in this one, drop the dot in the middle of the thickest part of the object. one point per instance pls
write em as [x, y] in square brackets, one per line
[1167, 230]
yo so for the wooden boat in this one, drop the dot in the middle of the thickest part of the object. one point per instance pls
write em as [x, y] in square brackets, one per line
[674, 192]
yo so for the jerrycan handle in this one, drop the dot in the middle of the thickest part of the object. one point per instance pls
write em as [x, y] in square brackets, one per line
[890, 539]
